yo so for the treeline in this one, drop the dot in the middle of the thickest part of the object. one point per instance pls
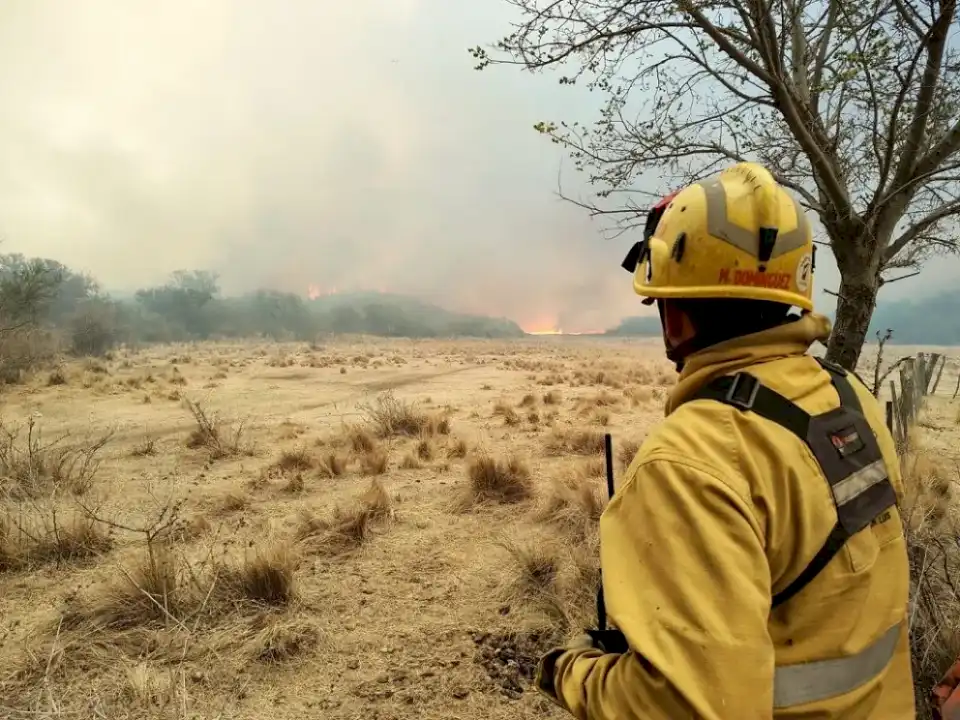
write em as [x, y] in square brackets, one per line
[44, 296]
[639, 325]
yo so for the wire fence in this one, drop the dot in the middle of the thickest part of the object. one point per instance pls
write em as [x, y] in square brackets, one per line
[919, 377]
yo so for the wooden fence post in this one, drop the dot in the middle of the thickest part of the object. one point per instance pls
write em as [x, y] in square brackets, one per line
[931, 366]
[936, 382]
[897, 403]
[907, 395]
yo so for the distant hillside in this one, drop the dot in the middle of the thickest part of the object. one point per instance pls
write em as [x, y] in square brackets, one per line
[641, 325]
[933, 320]
[392, 315]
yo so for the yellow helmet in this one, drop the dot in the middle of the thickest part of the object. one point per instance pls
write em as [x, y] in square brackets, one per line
[739, 234]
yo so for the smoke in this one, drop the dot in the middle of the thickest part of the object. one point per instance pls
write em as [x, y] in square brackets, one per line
[297, 144]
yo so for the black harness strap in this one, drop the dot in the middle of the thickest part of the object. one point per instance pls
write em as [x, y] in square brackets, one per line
[843, 444]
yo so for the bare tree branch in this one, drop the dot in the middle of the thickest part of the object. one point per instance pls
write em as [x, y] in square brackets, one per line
[853, 106]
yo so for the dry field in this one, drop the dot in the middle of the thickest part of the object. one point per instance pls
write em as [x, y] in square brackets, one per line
[380, 529]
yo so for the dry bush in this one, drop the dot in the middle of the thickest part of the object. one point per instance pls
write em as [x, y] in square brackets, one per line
[31, 468]
[282, 642]
[23, 351]
[164, 589]
[349, 526]
[40, 534]
[266, 577]
[932, 527]
[575, 442]
[56, 377]
[537, 564]
[295, 460]
[233, 502]
[210, 433]
[360, 439]
[554, 580]
[147, 447]
[410, 462]
[390, 417]
[638, 394]
[627, 452]
[332, 465]
[457, 449]
[497, 481]
[528, 400]
[573, 504]
[603, 399]
[425, 449]
[374, 462]
[509, 415]
[552, 398]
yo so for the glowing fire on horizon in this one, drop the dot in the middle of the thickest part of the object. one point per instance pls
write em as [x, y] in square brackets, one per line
[551, 327]
[315, 291]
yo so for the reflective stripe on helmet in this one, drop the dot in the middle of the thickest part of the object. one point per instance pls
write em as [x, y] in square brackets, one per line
[748, 240]
[822, 679]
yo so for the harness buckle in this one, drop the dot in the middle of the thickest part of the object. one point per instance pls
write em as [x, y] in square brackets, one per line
[831, 367]
[743, 391]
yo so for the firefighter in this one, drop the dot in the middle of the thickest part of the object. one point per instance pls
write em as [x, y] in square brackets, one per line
[753, 557]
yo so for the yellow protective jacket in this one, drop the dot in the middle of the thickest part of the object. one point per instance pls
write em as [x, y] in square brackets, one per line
[720, 510]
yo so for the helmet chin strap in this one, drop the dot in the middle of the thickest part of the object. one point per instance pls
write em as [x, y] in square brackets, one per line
[675, 353]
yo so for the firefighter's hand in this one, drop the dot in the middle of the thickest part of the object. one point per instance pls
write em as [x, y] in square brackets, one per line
[545, 669]
[947, 696]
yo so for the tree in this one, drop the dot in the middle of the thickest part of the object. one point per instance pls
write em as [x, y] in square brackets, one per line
[277, 314]
[184, 300]
[93, 327]
[853, 106]
[27, 288]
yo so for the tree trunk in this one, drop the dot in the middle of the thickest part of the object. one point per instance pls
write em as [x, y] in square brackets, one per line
[858, 298]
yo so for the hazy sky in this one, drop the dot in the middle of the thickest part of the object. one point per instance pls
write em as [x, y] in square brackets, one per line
[303, 142]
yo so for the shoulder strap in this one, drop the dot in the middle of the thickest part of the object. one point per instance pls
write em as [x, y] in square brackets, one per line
[744, 392]
[842, 442]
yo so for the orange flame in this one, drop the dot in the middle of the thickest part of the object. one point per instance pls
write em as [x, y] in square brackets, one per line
[542, 326]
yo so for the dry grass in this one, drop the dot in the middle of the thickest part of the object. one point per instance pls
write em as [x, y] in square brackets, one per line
[458, 449]
[164, 588]
[374, 462]
[31, 467]
[349, 526]
[574, 503]
[390, 417]
[360, 439]
[932, 524]
[551, 582]
[36, 535]
[170, 582]
[627, 451]
[492, 480]
[294, 460]
[211, 434]
[575, 442]
[332, 465]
